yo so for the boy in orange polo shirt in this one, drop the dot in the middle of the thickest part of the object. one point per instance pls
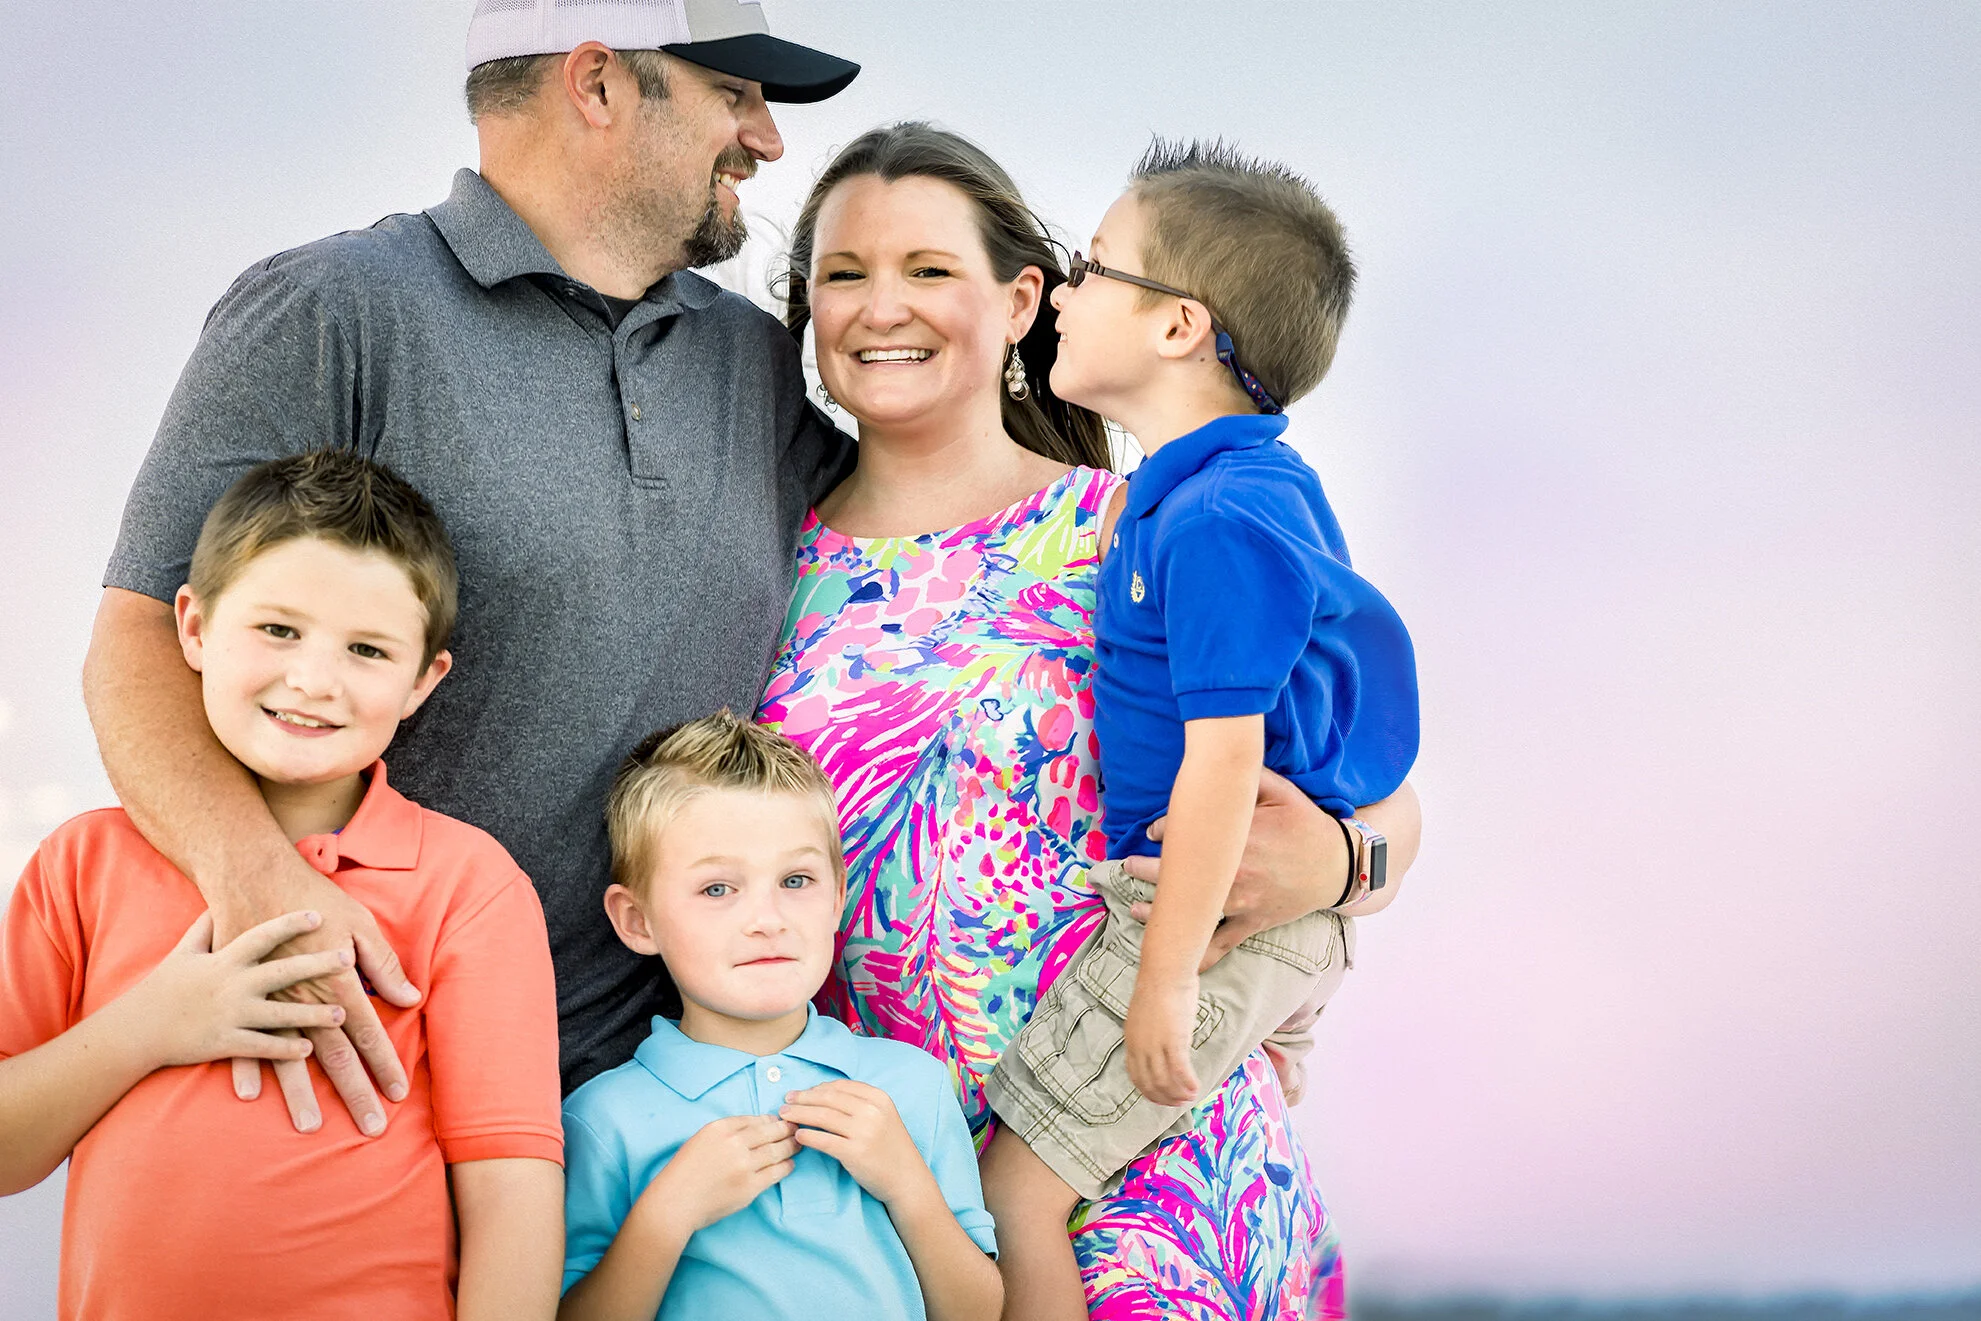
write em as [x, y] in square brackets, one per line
[322, 592]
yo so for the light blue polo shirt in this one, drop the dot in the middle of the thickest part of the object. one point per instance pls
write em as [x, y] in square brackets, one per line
[811, 1246]
[1227, 591]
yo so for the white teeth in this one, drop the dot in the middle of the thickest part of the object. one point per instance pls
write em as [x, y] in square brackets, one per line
[895, 355]
[729, 181]
[291, 718]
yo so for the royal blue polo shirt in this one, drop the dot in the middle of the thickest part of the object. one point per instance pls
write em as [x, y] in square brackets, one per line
[815, 1244]
[1227, 591]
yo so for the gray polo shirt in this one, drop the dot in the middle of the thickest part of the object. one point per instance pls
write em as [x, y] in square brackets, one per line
[623, 503]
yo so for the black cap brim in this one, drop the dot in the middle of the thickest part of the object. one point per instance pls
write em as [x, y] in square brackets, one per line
[788, 71]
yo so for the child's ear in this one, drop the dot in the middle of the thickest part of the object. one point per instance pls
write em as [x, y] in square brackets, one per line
[629, 919]
[190, 619]
[436, 670]
[1187, 331]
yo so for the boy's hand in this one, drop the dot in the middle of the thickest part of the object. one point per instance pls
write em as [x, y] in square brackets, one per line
[858, 1126]
[721, 1169]
[1161, 1017]
[201, 1004]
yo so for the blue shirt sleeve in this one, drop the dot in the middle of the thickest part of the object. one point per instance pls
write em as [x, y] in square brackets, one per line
[952, 1158]
[597, 1198]
[1237, 612]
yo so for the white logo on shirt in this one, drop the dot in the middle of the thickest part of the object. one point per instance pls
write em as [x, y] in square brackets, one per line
[1135, 589]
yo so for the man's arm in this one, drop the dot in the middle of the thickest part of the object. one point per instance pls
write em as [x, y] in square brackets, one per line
[511, 1213]
[1296, 861]
[200, 808]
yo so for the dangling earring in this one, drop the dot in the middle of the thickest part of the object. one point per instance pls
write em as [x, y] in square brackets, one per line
[825, 398]
[1015, 383]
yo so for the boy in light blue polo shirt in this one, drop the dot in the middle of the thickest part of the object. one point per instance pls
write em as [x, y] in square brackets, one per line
[1231, 635]
[756, 1159]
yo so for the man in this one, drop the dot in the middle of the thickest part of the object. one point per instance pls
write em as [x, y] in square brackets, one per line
[533, 357]
[621, 452]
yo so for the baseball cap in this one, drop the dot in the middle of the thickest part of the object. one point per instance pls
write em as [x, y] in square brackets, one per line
[729, 36]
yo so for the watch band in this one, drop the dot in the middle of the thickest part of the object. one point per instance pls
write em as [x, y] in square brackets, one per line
[1368, 857]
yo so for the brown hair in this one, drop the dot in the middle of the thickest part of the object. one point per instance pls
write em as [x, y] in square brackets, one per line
[1014, 238]
[341, 498]
[1256, 243]
[673, 767]
[505, 86]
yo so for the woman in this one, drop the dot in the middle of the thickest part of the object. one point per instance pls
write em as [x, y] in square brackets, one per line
[937, 660]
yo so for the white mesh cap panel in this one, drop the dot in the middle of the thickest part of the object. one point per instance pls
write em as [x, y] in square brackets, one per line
[503, 28]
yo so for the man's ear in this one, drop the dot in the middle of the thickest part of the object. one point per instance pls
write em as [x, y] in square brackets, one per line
[583, 79]
[436, 670]
[629, 919]
[190, 619]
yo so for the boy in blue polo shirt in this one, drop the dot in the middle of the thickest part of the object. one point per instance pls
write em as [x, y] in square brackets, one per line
[756, 1159]
[1231, 635]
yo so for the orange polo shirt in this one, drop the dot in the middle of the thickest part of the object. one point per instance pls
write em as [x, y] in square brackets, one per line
[187, 1202]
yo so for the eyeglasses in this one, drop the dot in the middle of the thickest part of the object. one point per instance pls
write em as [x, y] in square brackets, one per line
[1080, 268]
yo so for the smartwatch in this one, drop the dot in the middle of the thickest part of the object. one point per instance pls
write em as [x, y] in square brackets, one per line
[1368, 860]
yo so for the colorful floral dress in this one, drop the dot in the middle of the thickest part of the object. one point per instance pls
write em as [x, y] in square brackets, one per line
[944, 683]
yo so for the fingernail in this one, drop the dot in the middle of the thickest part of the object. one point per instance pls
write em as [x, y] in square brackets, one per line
[336, 1015]
[396, 1092]
[312, 918]
[374, 1125]
[312, 1122]
[346, 957]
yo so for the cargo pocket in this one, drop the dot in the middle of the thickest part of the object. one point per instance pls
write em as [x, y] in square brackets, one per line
[1309, 943]
[1076, 1050]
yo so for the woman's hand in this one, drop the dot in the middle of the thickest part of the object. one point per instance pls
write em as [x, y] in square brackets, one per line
[858, 1126]
[201, 1004]
[1161, 1017]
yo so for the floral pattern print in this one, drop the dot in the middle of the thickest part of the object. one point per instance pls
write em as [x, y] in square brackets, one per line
[944, 683]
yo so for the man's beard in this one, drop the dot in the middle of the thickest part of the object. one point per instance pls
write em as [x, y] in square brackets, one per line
[715, 239]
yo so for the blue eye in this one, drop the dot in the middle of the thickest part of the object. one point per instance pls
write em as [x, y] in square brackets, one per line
[796, 881]
[718, 889]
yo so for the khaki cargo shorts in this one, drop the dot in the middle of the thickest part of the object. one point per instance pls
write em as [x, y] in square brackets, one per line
[1062, 1085]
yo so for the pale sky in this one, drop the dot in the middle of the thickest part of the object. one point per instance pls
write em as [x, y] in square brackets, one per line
[1656, 417]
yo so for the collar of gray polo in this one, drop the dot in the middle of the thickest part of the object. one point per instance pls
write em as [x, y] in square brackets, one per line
[493, 244]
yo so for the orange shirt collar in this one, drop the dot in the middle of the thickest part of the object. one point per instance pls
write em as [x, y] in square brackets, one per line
[384, 834]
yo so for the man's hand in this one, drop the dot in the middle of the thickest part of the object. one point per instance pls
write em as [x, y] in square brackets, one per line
[358, 1051]
[858, 1126]
[1295, 863]
[721, 1170]
[1162, 1015]
[201, 1004]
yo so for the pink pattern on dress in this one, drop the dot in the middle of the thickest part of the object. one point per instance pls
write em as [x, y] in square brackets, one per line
[944, 683]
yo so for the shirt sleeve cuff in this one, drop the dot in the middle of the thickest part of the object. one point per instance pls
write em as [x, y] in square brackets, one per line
[981, 1229]
[1213, 703]
[145, 580]
[502, 1146]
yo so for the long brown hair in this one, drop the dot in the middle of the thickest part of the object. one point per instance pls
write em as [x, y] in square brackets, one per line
[1014, 238]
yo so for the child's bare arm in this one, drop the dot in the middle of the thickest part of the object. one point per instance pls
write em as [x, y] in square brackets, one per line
[857, 1125]
[716, 1173]
[511, 1213]
[196, 1005]
[1210, 811]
